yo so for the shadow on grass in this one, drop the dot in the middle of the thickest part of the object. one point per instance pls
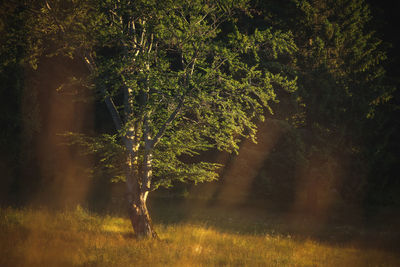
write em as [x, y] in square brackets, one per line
[339, 229]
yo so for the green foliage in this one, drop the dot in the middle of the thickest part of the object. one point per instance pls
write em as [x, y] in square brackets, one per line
[342, 82]
[341, 62]
[343, 90]
[186, 77]
[107, 150]
[180, 85]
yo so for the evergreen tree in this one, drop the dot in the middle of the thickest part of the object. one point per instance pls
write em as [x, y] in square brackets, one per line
[341, 79]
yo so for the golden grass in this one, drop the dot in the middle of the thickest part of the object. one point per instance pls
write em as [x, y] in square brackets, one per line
[78, 238]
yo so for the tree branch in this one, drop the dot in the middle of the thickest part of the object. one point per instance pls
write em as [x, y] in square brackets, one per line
[59, 25]
[129, 143]
[171, 118]
[107, 98]
[147, 159]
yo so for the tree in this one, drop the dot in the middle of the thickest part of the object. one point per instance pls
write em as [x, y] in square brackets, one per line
[178, 78]
[19, 113]
[341, 80]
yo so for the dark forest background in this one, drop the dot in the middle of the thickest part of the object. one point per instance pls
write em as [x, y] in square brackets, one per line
[335, 140]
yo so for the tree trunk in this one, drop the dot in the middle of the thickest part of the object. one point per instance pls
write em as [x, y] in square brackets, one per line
[137, 207]
[138, 212]
[140, 218]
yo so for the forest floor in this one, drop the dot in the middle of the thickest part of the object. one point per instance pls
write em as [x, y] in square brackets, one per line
[191, 235]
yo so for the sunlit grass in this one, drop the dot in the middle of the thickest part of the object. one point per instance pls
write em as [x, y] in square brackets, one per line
[79, 238]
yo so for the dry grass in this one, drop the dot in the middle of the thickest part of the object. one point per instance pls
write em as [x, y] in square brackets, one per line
[78, 238]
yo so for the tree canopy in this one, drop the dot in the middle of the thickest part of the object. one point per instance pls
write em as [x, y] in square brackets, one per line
[174, 83]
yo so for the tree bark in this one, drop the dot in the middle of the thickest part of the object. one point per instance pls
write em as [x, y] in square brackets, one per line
[137, 204]
[140, 218]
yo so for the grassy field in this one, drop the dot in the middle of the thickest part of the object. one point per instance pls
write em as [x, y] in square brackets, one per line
[202, 237]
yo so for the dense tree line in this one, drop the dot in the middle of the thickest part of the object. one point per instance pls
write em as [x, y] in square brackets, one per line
[344, 95]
